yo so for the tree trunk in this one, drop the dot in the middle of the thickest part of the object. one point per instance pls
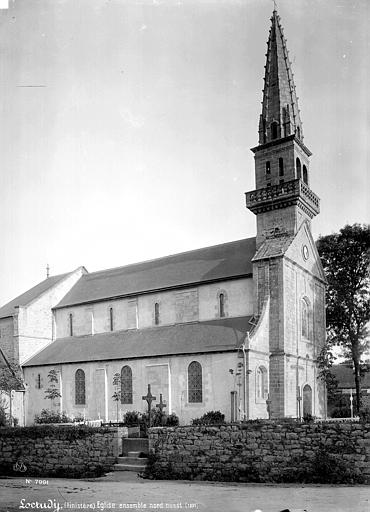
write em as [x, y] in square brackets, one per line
[357, 384]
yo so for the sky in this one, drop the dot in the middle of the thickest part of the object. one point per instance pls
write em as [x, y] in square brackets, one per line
[126, 125]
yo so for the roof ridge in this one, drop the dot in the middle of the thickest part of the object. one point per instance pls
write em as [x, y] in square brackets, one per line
[90, 274]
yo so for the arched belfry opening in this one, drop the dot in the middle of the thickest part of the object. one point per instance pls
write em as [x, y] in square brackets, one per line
[298, 168]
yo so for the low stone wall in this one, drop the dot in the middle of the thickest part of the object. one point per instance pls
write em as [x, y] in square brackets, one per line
[57, 451]
[263, 451]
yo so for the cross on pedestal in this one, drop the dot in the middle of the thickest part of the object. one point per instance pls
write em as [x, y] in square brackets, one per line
[161, 406]
[149, 399]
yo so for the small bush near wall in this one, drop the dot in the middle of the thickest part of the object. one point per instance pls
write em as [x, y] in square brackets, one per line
[47, 416]
[158, 419]
[210, 418]
[263, 451]
[49, 450]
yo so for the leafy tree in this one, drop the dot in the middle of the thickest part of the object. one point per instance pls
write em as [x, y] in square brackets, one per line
[346, 260]
[52, 392]
[10, 380]
[117, 390]
[325, 361]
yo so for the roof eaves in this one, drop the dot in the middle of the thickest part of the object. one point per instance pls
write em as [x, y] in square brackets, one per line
[151, 356]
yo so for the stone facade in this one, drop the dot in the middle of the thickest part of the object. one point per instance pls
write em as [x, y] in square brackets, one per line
[272, 449]
[58, 451]
[167, 375]
[193, 304]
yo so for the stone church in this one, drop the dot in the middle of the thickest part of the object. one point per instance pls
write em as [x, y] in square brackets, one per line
[236, 327]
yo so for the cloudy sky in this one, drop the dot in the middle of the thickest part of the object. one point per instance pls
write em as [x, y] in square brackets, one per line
[126, 125]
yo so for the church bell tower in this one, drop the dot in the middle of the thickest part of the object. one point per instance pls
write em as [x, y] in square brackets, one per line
[283, 198]
[289, 282]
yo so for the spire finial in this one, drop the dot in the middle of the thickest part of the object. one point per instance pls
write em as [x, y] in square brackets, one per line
[47, 270]
[275, 5]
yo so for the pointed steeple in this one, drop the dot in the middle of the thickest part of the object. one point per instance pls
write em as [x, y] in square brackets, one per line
[280, 114]
[282, 200]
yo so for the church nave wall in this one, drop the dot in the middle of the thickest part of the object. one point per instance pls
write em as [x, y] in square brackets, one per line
[167, 375]
[175, 306]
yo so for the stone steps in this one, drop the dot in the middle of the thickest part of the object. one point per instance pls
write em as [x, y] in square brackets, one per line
[131, 462]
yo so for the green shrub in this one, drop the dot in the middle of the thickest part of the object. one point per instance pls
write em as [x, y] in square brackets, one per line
[365, 415]
[131, 418]
[210, 418]
[339, 406]
[308, 418]
[47, 416]
[172, 420]
[4, 417]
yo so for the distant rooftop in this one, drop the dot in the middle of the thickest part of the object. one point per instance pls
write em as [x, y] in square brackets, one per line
[346, 378]
[232, 259]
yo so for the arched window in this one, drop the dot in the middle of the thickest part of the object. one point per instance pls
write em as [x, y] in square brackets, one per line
[221, 304]
[281, 167]
[268, 168]
[111, 319]
[126, 385]
[298, 132]
[298, 167]
[80, 390]
[70, 324]
[305, 175]
[195, 394]
[305, 318]
[156, 313]
[261, 383]
[274, 130]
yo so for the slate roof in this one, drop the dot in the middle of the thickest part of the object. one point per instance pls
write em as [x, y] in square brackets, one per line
[218, 262]
[346, 379]
[273, 247]
[220, 335]
[9, 309]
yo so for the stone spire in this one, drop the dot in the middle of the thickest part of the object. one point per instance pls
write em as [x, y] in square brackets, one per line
[280, 113]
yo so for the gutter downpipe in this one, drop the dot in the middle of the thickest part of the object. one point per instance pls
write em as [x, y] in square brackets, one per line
[246, 377]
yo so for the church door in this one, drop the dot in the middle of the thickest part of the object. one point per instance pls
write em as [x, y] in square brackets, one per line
[307, 400]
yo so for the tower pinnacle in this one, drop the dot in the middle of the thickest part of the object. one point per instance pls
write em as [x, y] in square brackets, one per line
[280, 114]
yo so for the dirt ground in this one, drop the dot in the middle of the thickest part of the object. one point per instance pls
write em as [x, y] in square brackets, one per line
[125, 491]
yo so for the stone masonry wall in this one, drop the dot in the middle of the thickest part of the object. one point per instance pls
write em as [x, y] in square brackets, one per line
[263, 450]
[57, 451]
